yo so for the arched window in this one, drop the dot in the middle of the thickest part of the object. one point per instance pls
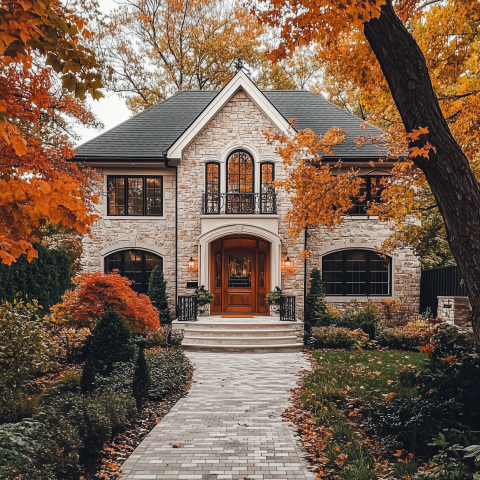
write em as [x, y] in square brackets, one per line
[136, 265]
[240, 182]
[357, 273]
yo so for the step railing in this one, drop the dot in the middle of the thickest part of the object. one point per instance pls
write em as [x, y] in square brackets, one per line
[187, 308]
[288, 308]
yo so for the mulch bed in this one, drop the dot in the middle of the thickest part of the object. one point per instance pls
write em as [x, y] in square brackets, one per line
[122, 446]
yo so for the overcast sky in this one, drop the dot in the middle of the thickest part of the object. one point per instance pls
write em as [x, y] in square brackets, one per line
[111, 109]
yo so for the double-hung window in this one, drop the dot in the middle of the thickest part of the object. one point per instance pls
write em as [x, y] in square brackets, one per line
[134, 195]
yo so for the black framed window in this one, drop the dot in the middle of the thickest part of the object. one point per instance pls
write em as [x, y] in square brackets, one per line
[268, 177]
[240, 172]
[370, 192]
[136, 265]
[267, 189]
[212, 184]
[134, 195]
[357, 273]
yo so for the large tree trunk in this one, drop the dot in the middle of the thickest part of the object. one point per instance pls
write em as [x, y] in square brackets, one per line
[447, 171]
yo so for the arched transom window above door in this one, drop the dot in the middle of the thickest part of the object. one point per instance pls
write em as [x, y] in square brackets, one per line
[136, 265]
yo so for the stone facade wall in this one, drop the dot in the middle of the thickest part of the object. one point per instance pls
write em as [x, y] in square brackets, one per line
[454, 310]
[239, 124]
[365, 233]
[156, 234]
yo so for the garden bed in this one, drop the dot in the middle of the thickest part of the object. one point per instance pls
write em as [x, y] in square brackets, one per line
[391, 414]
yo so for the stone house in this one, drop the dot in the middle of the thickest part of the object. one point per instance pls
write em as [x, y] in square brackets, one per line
[188, 184]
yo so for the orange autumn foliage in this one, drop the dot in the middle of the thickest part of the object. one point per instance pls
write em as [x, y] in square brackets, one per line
[319, 195]
[45, 72]
[97, 292]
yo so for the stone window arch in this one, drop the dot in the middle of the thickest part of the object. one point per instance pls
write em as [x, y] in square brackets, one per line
[135, 264]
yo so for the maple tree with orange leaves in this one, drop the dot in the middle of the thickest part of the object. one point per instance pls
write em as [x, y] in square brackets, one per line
[97, 292]
[45, 74]
[384, 26]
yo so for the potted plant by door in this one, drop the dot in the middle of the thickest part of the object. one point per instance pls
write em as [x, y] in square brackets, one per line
[204, 299]
[273, 299]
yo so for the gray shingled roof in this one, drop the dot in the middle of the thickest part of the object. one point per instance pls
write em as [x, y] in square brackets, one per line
[149, 134]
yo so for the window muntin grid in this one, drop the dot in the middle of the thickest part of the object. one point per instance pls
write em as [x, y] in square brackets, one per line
[136, 265]
[135, 195]
[356, 273]
[240, 172]
[370, 191]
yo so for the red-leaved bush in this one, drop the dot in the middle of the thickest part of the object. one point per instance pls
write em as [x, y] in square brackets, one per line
[95, 293]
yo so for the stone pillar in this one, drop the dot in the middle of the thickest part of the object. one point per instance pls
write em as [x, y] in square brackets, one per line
[454, 310]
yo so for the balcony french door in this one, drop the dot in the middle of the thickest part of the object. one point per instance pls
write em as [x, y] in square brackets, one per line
[239, 183]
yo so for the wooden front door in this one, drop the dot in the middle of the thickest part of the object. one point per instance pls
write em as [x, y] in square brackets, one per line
[239, 280]
[240, 270]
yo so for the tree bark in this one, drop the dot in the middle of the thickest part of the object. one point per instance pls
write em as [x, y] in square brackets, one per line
[447, 171]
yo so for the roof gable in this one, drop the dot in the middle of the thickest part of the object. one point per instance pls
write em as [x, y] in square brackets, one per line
[239, 82]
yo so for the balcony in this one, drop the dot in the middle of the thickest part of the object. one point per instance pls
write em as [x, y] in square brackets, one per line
[239, 203]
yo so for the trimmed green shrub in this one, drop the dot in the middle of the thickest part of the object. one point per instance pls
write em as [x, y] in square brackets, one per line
[156, 339]
[16, 450]
[141, 377]
[204, 297]
[56, 450]
[168, 373]
[24, 344]
[120, 379]
[89, 373]
[97, 417]
[400, 339]
[315, 307]
[44, 279]
[111, 342]
[333, 337]
[157, 292]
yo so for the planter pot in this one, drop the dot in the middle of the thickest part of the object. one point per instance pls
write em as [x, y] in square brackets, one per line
[203, 310]
[274, 310]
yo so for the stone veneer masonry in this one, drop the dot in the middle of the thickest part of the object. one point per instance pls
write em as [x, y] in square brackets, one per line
[156, 234]
[239, 124]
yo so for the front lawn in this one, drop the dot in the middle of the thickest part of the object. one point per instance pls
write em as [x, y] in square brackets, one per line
[363, 375]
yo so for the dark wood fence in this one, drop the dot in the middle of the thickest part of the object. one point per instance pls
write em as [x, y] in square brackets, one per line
[444, 281]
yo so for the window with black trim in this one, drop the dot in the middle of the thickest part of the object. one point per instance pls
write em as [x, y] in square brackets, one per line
[212, 187]
[357, 273]
[136, 265]
[134, 195]
[268, 177]
[370, 192]
[267, 189]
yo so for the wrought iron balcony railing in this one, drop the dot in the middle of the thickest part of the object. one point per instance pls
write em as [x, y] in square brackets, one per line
[239, 203]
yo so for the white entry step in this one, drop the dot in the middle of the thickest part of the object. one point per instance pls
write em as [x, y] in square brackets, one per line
[236, 335]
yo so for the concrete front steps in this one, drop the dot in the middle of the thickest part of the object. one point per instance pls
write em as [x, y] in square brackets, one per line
[237, 336]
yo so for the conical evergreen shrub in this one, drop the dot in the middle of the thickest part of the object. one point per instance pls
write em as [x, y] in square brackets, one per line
[315, 307]
[157, 292]
[111, 342]
[141, 377]
[87, 380]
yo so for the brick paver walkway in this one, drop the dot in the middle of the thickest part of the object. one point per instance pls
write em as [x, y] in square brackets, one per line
[229, 426]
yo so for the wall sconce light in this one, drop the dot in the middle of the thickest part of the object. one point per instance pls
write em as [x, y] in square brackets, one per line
[288, 263]
[191, 263]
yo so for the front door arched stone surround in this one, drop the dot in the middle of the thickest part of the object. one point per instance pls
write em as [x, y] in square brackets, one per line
[240, 280]
[206, 239]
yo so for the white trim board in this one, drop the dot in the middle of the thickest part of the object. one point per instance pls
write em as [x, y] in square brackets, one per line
[239, 81]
